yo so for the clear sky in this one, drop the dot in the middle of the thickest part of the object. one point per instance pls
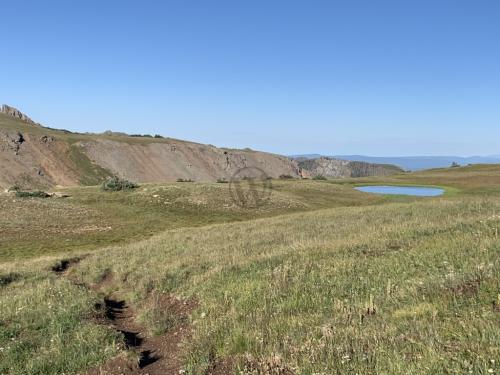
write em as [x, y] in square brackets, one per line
[331, 77]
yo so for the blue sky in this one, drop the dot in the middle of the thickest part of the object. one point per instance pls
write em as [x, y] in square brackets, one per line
[351, 77]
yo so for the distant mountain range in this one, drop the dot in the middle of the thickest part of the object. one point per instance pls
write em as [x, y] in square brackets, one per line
[413, 163]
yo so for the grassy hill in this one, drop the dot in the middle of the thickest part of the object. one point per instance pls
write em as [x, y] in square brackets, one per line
[91, 218]
[324, 279]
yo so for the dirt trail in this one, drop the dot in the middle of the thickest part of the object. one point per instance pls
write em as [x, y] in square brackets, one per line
[159, 355]
[61, 268]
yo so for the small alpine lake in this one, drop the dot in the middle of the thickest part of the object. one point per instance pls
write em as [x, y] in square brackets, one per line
[416, 191]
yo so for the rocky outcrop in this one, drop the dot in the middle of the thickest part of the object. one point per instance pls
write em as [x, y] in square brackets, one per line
[14, 112]
[30, 161]
[335, 168]
[11, 141]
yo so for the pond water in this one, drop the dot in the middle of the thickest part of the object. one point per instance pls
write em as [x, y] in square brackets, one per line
[416, 191]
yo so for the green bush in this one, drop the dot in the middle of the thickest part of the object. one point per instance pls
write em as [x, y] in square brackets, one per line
[117, 184]
[31, 194]
[286, 177]
[184, 180]
[319, 178]
[222, 181]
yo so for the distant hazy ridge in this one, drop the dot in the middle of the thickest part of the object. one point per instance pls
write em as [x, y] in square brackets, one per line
[335, 168]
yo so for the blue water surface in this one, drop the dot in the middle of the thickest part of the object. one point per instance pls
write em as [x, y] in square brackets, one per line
[416, 191]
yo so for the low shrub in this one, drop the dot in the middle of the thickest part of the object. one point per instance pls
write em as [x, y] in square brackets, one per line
[286, 177]
[319, 178]
[184, 180]
[118, 184]
[222, 181]
[31, 194]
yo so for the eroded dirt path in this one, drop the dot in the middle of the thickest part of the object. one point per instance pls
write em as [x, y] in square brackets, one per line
[158, 355]
[62, 267]
[150, 355]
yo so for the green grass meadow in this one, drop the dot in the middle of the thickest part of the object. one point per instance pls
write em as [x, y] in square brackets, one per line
[321, 280]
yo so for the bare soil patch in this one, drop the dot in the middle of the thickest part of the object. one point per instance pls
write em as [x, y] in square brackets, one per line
[467, 289]
[221, 367]
[159, 355]
[62, 267]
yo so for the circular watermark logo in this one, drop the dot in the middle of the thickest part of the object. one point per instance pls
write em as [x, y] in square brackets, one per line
[250, 187]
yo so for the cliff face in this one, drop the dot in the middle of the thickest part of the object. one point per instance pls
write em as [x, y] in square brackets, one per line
[32, 160]
[335, 168]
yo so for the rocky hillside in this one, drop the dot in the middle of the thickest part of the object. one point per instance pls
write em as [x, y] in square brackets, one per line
[33, 156]
[335, 168]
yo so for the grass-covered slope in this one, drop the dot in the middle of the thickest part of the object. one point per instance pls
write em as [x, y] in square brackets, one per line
[47, 324]
[91, 218]
[386, 289]
[396, 288]
[325, 280]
